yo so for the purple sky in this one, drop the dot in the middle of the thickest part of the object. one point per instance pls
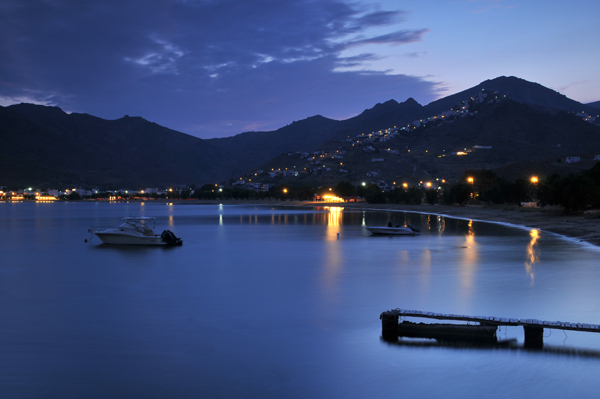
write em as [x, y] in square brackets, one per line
[215, 68]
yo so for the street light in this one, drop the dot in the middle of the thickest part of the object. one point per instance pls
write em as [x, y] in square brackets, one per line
[534, 181]
[472, 181]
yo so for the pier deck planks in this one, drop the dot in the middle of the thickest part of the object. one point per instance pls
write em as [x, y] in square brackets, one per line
[500, 321]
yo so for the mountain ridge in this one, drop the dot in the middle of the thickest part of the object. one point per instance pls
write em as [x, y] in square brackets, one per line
[45, 145]
[517, 89]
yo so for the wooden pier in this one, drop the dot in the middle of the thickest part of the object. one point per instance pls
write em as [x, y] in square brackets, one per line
[534, 329]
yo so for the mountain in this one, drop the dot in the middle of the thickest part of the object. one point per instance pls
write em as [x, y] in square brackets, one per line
[519, 90]
[45, 146]
[594, 104]
[246, 151]
[521, 120]
[381, 116]
[492, 131]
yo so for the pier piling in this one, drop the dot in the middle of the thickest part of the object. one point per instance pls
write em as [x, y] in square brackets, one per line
[389, 326]
[484, 331]
[534, 337]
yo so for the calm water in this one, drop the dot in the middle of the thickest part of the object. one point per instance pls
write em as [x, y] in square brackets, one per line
[265, 302]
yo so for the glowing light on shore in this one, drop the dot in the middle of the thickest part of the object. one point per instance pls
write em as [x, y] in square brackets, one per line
[45, 198]
[332, 198]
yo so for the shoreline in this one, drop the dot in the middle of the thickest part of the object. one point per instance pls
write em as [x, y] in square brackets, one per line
[581, 227]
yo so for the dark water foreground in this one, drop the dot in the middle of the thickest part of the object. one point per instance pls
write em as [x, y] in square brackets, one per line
[272, 303]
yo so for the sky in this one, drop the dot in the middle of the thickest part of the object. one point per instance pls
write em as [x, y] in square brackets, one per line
[216, 68]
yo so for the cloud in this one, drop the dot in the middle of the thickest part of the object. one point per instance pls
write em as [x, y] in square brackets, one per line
[572, 84]
[161, 60]
[208, 65]
[397, 38]
[415, 54]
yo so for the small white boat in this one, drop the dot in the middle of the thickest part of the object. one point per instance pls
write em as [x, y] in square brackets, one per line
[135, 231]
[408, 230]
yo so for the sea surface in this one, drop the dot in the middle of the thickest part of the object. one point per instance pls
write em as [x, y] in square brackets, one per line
[283, 302]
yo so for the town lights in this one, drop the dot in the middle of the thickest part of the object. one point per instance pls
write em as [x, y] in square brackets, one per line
[285, 190]
[534, 179]
[405, 185]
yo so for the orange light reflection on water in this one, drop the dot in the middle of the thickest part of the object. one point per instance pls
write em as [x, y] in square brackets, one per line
[532, 254]
[334, 219]
[333, 264]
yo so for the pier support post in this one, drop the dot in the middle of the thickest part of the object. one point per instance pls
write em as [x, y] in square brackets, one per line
[534, 337]
[389, 326]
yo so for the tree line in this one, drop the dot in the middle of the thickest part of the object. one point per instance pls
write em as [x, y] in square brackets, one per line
[574, 192]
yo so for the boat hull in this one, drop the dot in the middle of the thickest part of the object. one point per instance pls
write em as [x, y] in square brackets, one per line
[392, 231]
[114, 238]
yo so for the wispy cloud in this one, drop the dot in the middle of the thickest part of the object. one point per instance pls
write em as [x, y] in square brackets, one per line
[395, 38]
[179, 62]
[571, 85]
[162, 60]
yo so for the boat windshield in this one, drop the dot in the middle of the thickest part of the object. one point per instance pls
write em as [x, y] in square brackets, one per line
[144, 225]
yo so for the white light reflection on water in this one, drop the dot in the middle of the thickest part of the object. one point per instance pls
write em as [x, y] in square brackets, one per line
[468, 265]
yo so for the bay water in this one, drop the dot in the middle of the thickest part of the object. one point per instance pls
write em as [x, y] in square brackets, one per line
[282, 302]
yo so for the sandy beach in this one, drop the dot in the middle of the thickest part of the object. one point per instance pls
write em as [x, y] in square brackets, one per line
[584, 227]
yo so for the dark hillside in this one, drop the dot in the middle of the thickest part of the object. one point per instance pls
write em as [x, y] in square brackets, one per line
[54, 148]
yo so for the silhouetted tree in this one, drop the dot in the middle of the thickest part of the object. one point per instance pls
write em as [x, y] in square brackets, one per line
[431, 196]
[345, 189]
[458, 193]
[374, 194]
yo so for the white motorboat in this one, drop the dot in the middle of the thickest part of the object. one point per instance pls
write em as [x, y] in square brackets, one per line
[408, 230]
[135, 231]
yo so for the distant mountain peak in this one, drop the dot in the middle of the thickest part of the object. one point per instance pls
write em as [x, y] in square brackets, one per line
[517, 89]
